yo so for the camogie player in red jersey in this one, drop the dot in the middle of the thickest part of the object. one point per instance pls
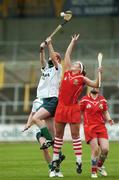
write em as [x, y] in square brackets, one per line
[68, 109]
[95, 113]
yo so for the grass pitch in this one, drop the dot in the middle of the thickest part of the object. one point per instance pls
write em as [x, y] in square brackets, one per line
[24, 161]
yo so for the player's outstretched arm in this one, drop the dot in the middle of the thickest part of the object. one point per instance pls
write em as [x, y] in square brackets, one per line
[94, 83]
[67, 58]
[42, 55]
[52, 53]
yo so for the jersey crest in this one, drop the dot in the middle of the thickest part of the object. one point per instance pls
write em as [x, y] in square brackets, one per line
[75, 82]
[88, 106]
[101, 106]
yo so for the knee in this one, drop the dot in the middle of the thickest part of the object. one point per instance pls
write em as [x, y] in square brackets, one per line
[59, 134]
[38, 135]
[75, 135]
[95, 151]
[35, 119]
[105, 151]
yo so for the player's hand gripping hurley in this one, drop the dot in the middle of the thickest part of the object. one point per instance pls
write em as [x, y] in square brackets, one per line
[100, 56]
[66, 18]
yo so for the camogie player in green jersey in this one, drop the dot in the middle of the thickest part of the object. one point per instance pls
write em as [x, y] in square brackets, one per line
[45, 104]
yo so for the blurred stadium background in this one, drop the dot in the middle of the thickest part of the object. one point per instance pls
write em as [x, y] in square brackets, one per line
[24, 24]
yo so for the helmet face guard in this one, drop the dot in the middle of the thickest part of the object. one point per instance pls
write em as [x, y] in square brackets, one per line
[94, 91]
[50, 63]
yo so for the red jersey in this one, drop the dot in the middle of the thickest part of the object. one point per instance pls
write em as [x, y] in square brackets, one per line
[71, 88]
[93, 110]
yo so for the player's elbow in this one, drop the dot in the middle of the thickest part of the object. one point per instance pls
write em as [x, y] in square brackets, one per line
[95, 84]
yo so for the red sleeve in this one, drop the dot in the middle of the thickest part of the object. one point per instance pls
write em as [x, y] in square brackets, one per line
[105, 105]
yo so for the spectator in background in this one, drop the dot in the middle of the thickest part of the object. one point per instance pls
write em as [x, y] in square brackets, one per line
[68, 109]
[95, 113]
[45, 104]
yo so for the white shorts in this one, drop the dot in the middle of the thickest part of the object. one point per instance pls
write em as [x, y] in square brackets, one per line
[36, 104]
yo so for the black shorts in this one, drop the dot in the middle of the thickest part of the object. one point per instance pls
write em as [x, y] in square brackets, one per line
[50, 104]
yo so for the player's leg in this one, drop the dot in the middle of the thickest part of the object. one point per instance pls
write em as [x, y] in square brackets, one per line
[51, 128]
[41, 114]
[37, 115]
[48, 159]
[94, 156]
[77, 145]
[45, 138]
[46, 110]
[46, 153]
[43, 130]
[42, 140]
[58, 142]
[104, 147]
